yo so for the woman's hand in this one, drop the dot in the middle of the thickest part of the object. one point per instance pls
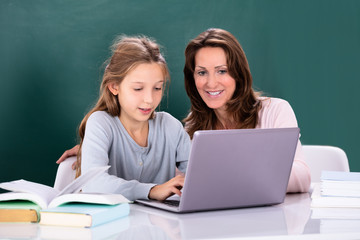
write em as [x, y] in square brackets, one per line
[69, 153]
[165, 190]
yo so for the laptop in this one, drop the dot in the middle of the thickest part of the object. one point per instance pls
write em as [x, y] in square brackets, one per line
[234, 169]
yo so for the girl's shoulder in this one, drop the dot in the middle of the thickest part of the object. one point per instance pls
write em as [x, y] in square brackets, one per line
[101, 117]
[170, 128]
[167, 120]
[164, 116]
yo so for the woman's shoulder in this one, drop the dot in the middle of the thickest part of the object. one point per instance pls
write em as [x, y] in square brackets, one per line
[271, 102]
[276, 112]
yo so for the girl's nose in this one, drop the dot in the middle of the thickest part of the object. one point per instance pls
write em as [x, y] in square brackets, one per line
[148, 98]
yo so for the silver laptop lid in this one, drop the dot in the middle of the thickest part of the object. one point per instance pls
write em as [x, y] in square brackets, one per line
[238, 168]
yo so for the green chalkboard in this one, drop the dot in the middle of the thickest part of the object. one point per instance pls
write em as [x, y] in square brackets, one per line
[52, 54]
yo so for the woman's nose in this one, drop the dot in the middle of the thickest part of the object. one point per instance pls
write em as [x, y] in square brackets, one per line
[211, 81]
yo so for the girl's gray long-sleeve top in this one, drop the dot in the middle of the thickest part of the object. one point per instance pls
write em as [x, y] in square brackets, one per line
[134, 169]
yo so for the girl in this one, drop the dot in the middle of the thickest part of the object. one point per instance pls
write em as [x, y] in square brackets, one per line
[219, 84]
[143, 147]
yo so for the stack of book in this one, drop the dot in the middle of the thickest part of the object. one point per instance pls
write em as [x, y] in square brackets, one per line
[24, 230]
[336, 201]
[29, 202]
[337, 189]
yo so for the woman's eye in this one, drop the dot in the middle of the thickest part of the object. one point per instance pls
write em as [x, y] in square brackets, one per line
[201, 73]
[222, 71]
[158, 88]
[137, 89]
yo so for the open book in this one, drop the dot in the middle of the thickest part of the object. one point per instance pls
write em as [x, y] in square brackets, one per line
[48, 197]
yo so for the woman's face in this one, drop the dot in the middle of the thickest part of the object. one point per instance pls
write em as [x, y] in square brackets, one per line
[213, 82]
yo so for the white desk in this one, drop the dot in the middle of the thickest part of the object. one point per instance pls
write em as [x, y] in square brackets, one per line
[290, 220]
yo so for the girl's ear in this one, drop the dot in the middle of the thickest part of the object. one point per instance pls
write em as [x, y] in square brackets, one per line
[114, 88]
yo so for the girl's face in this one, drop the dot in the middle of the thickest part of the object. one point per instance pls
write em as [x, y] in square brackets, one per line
[140, 92]
[213, 82]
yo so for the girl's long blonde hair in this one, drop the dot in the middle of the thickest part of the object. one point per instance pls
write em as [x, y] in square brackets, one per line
[127, 53]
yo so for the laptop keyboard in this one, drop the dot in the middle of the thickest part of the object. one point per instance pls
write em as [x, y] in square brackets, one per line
[173, 203]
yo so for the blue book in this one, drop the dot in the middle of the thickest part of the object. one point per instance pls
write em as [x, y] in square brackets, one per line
[340, 176]
[83, 215]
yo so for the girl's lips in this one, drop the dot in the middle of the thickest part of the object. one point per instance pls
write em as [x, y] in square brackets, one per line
[145, 110]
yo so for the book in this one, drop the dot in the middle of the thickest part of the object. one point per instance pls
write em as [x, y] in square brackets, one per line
[48, 197]
[83, 214]
[19, 211]
[318, 200]
[341, 176]
[341, 184]
[109, 230]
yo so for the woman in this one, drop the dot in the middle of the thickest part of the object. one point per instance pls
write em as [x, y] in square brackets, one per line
[219, 84]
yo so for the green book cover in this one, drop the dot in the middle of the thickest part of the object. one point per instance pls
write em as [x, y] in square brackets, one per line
[19, 204]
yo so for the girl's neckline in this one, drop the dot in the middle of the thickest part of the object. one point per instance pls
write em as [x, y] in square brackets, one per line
[141, 148]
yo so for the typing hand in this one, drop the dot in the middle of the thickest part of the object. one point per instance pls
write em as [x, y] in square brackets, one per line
[165, 190]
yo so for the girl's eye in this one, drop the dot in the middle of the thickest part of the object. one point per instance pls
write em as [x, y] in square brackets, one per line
[137, 89]
[158, 88]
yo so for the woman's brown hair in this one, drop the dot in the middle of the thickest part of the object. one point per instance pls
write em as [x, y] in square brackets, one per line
[243, 107]
[127, 53]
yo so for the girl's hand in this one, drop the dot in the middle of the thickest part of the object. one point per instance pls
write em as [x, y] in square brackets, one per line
[165, 190]
[69, 153]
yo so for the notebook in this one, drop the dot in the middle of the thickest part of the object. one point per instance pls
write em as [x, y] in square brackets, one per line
[234, 169]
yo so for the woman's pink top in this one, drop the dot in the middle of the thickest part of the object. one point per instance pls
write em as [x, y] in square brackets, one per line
[277, 113]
